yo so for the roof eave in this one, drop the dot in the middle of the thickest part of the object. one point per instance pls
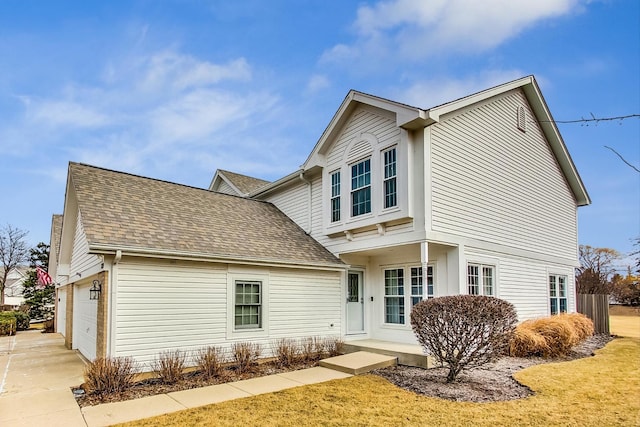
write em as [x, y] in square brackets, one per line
[111, 249]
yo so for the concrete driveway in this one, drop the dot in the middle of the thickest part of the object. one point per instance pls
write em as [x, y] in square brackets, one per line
[36, 373]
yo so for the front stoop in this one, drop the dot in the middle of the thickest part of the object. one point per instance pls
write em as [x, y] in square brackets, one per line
[407, 354]
[359, 362]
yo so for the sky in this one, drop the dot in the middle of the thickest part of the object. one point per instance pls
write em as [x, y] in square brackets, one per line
[177, 89]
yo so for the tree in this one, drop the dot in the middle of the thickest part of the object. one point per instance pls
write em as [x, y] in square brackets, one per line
[636, 253]
[626, 290]
[464, 331]
[13, 252]
[596, 269]
[37, 298]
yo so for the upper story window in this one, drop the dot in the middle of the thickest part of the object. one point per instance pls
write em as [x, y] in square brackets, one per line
[389, 183]
[335, 196]
[558, 293]
[361, 188]
[480, 279]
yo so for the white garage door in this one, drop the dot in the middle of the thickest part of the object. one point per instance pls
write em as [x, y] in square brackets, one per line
[85, 315]
[61, 312]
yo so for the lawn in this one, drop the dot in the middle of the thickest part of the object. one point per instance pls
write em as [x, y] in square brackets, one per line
[597, 391]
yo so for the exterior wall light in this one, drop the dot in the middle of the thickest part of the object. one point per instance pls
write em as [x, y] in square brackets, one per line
[96, 289]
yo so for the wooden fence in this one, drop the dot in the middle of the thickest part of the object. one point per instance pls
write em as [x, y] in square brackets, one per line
[596, 308]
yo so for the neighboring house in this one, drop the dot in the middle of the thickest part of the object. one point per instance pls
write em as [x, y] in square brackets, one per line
[394, 204]
[14, 286]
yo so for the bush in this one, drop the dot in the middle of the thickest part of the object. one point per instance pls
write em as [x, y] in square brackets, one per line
[307, 348]
[464, 331]
[210, 361]
[22, 320]
[334, 346]
[245, 355]
[169, 366]
[109, 375]
[286, 351]
[7, 325]
[550, 336]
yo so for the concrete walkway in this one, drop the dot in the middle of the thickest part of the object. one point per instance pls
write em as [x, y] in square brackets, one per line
[37, 374]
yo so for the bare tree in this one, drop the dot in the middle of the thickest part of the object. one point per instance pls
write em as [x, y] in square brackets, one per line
[13, 252]
[596, 269]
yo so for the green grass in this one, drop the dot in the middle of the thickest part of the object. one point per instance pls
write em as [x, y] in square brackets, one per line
[597, 391]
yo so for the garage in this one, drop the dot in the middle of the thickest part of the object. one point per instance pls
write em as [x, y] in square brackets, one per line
[85, 315]
[61, 312]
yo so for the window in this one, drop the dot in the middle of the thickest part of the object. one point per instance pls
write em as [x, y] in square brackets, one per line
[248, 305]
[557, 293]
[417, 284]
[394, 296]
[480, 279]
[361, 188]
[335, 196]
[390, 191]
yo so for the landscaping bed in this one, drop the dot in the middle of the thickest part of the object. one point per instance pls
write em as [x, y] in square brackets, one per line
[488, 383]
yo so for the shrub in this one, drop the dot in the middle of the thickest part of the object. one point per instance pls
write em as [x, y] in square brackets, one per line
[22, 320]
[550, 336]
[334, 346]
[109, 375]
[7, 325]
[169, 366]
[286, 351]
[464, 331]
[210, 361]
[245, 355]
[582, 325]
[308, 349]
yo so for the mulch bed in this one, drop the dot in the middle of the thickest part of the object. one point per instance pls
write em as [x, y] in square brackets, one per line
[488, 383]
[153, 386]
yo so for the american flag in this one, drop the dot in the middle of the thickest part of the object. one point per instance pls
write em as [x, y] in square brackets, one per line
[43, 278]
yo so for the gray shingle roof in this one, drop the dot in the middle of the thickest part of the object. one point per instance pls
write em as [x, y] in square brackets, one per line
[56, 233]
[120, 209]
[246, 184]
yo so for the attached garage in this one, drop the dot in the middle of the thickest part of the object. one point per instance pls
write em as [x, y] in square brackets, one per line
[61, 312]
[85, 320]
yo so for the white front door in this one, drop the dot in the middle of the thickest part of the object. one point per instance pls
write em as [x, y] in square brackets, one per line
[355, 302]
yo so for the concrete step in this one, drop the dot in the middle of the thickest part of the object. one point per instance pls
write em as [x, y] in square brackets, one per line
[359, 362]
[407, 354]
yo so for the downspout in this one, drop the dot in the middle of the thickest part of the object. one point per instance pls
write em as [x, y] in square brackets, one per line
[309, 194]
[112, 303]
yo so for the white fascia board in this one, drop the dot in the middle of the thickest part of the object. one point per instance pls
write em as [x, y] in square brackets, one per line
[293, 176]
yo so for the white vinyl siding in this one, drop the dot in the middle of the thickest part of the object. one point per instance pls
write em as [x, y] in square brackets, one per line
[293, 202]
[492, 182]
[225, 188]
[81, 260]
[163, 306]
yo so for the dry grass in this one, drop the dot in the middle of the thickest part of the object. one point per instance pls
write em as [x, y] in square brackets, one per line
[527, 342]
[625, 326]
[557, 331]
[597, 391]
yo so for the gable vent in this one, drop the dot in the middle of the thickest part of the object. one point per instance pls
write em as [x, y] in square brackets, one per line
[522, 119]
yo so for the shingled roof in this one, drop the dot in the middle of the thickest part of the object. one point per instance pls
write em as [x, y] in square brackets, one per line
[129, 212]
[246, 184]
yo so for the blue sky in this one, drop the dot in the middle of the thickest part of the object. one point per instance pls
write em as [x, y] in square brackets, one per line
[176, 89]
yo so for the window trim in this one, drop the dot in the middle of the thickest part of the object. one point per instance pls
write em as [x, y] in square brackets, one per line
[480, 278]
[242, 275]
[245, 283]
[391, 177]
[557, 298]
[362, 188]
[335, 191]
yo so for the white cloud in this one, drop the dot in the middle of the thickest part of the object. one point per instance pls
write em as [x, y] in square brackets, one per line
[415, 29]
[435, 91]
[318, 82]
[65, 113]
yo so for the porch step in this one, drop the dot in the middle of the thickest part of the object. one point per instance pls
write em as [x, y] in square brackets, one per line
[407, 354]
[359, 362]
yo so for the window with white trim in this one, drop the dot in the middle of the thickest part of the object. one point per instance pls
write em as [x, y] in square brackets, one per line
[394, 296]
[418, 285]
[361, 188]
[248, 304]
[335, 196]
[481, 279]
[389, 183]
[557, 293]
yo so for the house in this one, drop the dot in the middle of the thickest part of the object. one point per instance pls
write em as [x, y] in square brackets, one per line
[14, 286]
[393, 205]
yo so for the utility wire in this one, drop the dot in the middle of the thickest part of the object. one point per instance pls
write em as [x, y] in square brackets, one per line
[595, 119]
[623, 159]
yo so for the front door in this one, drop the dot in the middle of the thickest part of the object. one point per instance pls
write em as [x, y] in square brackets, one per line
[355, 303]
